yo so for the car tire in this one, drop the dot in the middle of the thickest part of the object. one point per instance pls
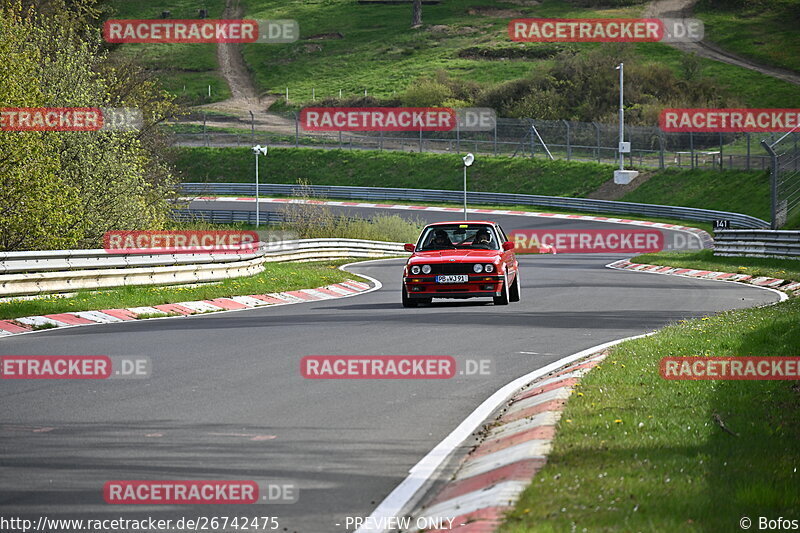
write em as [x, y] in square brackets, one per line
[503, 298]
[425, 300]
[408, 302]
[514, 292]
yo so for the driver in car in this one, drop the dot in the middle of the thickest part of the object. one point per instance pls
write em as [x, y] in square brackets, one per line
[440, 239]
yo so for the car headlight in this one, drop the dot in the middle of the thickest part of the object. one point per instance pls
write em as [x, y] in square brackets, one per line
[477, 268]
[426, 269]
[488, 268]
[415, 269]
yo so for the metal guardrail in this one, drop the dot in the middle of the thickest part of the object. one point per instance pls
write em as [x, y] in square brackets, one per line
[486, 198]
[58, 271]
[228, 216]
[757, 243]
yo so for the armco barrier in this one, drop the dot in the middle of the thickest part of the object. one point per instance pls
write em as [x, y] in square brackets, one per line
[476, 198]
[757, 243]
[56, 271]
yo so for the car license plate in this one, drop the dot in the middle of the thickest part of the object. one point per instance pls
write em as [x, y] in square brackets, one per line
[452, 279]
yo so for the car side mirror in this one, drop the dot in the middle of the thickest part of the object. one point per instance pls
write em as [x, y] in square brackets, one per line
[508, 245]
[409, 247]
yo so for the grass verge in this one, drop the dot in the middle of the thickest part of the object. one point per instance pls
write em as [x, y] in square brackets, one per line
[276, 277]
[763, 31]
[394, 169]
[635, 452]
[705, 260]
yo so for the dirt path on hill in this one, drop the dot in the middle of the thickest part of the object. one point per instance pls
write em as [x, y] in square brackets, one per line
[683, 9]
[244, 95]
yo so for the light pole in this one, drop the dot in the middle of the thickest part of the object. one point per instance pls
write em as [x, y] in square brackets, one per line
[468, 160]
[621, 69]
[256, 149]
[622, 176]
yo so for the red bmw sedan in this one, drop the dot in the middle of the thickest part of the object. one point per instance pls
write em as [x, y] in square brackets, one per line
[469, 259]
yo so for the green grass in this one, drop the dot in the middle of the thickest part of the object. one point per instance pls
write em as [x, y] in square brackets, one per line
[381, 54]
[393, 169]
[185, 70]
[635, 452]
[727, 190]
[738, 191]
[705, 260]
[763, 31]
[276, 277]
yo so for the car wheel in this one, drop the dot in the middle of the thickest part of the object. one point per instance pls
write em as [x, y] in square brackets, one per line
[514, 292]
[503, 298]
[408, 302]
[425, 300]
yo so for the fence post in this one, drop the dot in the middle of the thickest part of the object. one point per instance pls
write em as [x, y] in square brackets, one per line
[774, 223]
[691, 148]
[205, 136]
[420, 138]
[458, 137]
[495, 136]
[530, 132]
[569, 146]
[721, 164]
[380, 142]
[661, 150]
[296, 128]
[252, 126]
[747, 164]
[597, 136]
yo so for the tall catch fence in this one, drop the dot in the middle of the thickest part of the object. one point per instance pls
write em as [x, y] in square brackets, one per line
[784, 176]
[569, 140]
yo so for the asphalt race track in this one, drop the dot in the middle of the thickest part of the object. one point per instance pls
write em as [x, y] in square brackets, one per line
[227, 401]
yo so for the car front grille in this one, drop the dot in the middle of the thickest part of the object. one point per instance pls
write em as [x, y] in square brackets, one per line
[452, 268]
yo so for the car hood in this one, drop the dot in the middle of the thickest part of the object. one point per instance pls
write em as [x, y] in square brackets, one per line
[447, 256]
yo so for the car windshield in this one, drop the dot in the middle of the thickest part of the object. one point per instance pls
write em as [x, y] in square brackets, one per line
[471, 236]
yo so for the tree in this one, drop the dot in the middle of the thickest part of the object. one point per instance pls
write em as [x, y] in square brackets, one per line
[416, 13]
[61, 189]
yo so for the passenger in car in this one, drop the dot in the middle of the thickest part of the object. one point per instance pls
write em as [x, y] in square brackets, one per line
[481, 239]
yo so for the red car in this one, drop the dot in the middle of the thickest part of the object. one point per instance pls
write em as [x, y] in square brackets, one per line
[469, 259]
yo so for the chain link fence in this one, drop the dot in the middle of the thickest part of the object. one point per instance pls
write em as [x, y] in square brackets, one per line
[578, 141]
[784, 176]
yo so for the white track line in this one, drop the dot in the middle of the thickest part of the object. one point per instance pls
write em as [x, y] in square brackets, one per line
[402, 497]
